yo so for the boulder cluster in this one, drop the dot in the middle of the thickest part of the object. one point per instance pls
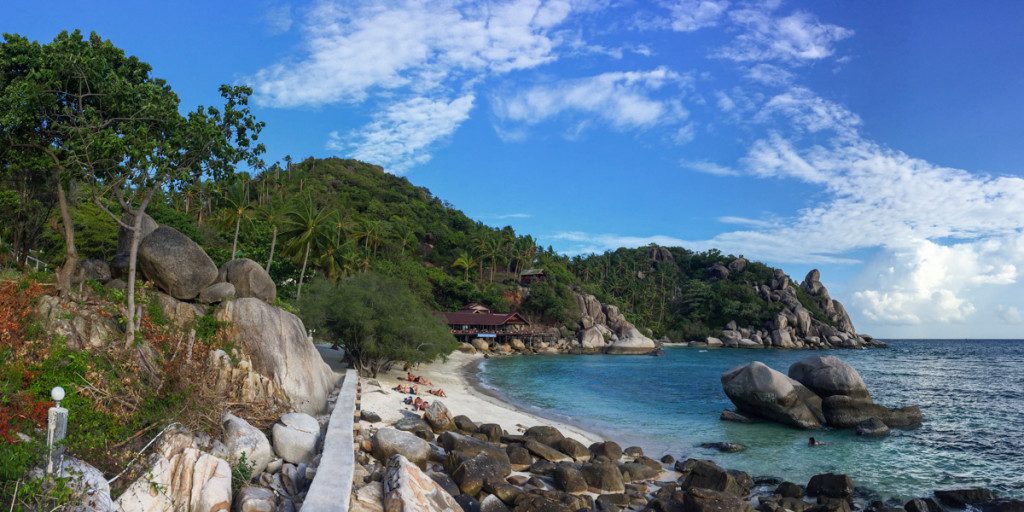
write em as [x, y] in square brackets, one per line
[793, 326]
[194, 471]
[818, 391]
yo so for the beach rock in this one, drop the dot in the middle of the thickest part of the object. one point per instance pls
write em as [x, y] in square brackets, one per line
[961, 498]
[388, 441]
[481, 344]
[368, 498]
[187, 479]
[492, 503]
[460, 447]
[592, 338]
[279, 348]
[240, 437]
[519, 457]
[493, 431]
[502, 490]
[1001, 505]
[295, 437]
[405, 488]
[569, 479]
[845, 412]
[446, 482]
[249, 279]
[632, 343]
[636, 472]
[699, 499]
[782, 504]
[611, 502]
[119, 265]
[708, 475]
[922, 505]
[872, 427]
[542, 467]
[258, 499]
[369, 416]
[415, 426]
[789, 490]
[633, 451]
[471, 473]
[757, 389]
[668, 459]
[608, 449]
[728, 415]
[574, 449]
[464, 424]
[175, 263]
[544, 434]
[438, 416]
[828, 376]
[545, 452]
[603, 477]
[830, 485]
[724, 447]
[217, 292]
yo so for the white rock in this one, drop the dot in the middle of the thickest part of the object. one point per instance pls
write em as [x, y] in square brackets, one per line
[241, 437]
[255, 499]
[189, 480]
[295, 437]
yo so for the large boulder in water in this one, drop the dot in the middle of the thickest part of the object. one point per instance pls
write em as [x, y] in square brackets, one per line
[761, 391]
[828, 376]
[119, 265]
[250, 279]
[175, 263]
[276, 342]
[846, 412]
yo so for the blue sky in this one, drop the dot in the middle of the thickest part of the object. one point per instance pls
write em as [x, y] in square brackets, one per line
[878, 141]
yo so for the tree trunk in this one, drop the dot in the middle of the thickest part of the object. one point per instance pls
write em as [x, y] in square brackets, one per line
[273, 244]
[67, 270]
[302, 274]
[234, 243]
[133, 257]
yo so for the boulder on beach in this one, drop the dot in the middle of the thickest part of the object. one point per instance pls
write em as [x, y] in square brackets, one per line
[759, 390]
[706, 500]
[175, 263]
[388, 441]
[830, 485]
[872, 427]
[828, 376]
[406, 488]
[295, 437]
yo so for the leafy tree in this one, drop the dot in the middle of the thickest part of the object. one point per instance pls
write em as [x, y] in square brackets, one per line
[378, 320]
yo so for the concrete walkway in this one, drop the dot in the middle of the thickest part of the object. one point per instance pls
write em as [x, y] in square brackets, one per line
[331, 490]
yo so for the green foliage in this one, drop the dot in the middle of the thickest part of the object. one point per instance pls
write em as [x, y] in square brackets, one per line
[377, 319]
[552, 303]
[241, 472]
[207, 327]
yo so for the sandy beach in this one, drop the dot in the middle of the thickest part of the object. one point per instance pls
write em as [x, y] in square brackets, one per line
[463, 398]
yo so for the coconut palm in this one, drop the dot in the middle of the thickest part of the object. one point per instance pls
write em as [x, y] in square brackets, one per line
[304, 229]
[465, 262]
[276, 215]
[239, 207]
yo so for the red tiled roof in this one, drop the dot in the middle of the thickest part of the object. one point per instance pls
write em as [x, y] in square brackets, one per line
[487, 319]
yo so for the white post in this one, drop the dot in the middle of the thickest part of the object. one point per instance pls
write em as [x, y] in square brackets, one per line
[56, 430]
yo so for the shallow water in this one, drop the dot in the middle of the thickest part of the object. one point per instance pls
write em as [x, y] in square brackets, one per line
[971, 393]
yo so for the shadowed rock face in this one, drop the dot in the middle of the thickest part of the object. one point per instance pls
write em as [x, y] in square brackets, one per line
[828, 376]
[175, 263]
[761, 391]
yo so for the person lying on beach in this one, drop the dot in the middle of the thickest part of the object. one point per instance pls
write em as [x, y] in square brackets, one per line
[438, 392]
[420, 404]
[417, 379]
[814, 442]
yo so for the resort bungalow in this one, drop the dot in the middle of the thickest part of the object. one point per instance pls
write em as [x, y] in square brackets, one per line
[532, 275]
[477, 321]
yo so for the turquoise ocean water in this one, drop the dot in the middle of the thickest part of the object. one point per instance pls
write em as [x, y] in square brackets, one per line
[971, 392]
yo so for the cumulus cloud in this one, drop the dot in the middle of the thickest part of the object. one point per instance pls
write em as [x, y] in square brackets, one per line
[352, 49]
[692, 15]
[399, 136]
[624, 99]
[1009, 314]
[796, 38]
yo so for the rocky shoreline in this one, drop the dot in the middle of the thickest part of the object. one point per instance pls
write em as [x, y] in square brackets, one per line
[458, 462]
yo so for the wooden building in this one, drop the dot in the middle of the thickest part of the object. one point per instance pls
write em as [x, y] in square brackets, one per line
[532, 275]
[475, 320]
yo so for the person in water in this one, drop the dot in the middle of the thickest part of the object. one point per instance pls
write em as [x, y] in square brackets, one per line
[814, 442]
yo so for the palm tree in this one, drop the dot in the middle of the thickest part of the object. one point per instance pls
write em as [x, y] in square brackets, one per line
[304, 229]
[371, 234]
[239, 207]
[527, 252]
[465, 262]
[276, 215]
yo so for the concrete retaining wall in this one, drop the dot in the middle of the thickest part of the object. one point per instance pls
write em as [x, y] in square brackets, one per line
[331, 489]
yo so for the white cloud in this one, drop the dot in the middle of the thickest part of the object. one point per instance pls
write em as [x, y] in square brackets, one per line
[810, 112]
[278, 19]
[769, 74]
[746, 221]
[352, 50]
[622, 98]
[399, 137]
[725, 102]
[798, 37]
[1009, 314]
[709, 168]
[692, 15]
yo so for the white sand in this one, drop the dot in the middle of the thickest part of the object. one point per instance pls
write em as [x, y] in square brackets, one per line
[462, 398]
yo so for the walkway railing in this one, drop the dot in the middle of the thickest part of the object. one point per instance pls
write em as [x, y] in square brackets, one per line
[331, 490]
